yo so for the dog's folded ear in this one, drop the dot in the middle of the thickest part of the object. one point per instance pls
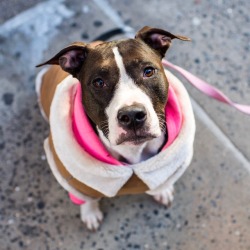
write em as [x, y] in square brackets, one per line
[70, 58]
[158, 39]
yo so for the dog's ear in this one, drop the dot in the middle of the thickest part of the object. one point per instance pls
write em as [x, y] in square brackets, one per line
[70, 58]
[158, 39]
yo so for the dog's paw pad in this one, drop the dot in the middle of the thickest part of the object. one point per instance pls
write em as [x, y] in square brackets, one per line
[91, 215]
[165, 197]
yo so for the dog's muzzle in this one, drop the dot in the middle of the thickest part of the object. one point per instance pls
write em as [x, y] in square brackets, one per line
[132, 117]
[134, 122]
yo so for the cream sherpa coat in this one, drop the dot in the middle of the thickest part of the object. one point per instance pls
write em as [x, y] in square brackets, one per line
[86, 177]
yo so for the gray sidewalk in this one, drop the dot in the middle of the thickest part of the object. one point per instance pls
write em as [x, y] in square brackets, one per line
[211, 209]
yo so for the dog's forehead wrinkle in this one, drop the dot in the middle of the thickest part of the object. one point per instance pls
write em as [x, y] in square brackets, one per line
[122, 52]
[100, 62]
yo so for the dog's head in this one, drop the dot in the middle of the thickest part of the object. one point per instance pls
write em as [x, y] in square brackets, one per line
[124, 87]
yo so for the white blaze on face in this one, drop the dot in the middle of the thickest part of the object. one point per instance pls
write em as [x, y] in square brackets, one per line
[128, 93]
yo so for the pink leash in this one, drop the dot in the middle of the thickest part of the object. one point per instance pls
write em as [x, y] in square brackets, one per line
[207, 89]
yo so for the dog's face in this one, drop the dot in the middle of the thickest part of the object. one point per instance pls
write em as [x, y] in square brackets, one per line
[124, 91]
[124, 87]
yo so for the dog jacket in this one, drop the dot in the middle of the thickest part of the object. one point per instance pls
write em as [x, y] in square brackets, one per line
[83, 166]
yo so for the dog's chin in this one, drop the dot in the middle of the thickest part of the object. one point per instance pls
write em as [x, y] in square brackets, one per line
[134, 139]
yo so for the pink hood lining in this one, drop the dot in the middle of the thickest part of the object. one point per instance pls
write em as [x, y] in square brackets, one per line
[90, 142]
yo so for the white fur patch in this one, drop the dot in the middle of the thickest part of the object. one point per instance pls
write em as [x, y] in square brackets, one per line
[91, 215]
[127, 93]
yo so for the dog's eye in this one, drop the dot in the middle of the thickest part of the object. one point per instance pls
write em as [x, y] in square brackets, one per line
[99, 83]
[148, 72]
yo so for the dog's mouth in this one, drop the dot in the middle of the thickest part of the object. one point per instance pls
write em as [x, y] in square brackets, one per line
[134, 139]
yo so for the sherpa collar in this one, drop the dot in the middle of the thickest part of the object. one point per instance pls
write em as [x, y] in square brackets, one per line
[166, 166]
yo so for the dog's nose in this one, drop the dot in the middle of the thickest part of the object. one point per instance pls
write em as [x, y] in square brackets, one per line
[132, 117]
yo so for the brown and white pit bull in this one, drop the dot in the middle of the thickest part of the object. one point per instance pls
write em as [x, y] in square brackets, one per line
[120, 124]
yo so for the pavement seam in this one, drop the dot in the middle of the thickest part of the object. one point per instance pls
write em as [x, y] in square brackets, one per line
[24, 16]
[219, 134]
[36, 26]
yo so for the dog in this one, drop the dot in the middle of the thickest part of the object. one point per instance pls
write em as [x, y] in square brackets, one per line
[119, 123]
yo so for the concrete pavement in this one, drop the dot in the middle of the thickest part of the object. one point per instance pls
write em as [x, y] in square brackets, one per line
[211, 209]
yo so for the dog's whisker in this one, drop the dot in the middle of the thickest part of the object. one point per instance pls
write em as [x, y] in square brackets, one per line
[104, 123]
[105, 129]
[160, 114]
[163, 126]
[104, 126]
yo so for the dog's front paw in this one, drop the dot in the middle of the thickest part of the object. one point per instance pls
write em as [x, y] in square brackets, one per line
[166, 196]
[91, 215]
